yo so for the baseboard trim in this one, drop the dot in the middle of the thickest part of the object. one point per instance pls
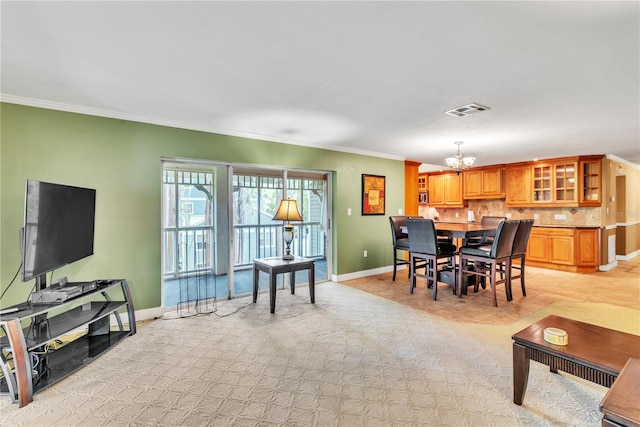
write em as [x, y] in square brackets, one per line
[364, 273]
[628, 257]
[608, 267]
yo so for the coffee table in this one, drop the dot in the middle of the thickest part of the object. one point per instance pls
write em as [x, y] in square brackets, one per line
[594, 353]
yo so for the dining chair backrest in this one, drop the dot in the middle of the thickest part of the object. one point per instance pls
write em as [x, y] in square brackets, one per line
[422, 236]
[522, 237]
[503, 242]
[397, 222]
[491, 220]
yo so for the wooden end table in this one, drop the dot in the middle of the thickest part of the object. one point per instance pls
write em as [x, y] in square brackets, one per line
[594, 353]
[277, 265]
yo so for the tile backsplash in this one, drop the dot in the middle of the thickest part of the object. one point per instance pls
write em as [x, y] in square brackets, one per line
[543, 216]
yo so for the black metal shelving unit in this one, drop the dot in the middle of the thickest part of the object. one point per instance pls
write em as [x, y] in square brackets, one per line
[30, 356]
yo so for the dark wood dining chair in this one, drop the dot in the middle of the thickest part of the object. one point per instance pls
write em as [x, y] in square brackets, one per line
[425, 251]
[400, 242]
[490, 260]
[519, 251]
[488, 236]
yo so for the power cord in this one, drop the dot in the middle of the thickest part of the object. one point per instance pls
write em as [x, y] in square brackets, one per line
[214, 312]
[233, 312]
[12, 280]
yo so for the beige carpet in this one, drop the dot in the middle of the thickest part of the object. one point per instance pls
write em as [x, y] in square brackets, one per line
[351, 359]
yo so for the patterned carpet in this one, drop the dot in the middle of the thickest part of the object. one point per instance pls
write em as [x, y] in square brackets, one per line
[351, 359]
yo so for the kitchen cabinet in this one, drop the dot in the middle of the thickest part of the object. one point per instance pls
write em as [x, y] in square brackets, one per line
[445, 190]
[551, 245]
[562, 182]
[436, 190]
[567, 182]
[561, 245]
[483, 183]
[422, 182]
[568, 249]
[518, 185]
[541, 183]
[590, 185]
[587, 244]
[554, 183]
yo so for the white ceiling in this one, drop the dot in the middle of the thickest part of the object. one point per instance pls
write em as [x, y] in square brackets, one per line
[561, 78]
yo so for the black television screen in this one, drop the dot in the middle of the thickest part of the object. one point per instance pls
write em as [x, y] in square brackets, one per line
[58, 229]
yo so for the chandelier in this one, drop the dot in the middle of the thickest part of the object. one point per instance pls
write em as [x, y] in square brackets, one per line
[457, 162]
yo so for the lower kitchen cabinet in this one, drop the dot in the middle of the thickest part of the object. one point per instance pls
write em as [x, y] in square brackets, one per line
[588, 244]
[564, 248]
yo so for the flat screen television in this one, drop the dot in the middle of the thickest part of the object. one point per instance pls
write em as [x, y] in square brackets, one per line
[59, 223]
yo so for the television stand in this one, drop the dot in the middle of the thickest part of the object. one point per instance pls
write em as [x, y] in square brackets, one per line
[31, 357]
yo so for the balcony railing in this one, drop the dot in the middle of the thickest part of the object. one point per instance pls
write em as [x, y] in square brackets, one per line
[187, 250]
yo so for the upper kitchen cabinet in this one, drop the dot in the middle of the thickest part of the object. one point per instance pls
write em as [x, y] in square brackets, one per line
[567, 182]
[590, 185]
[518, 185]
[445, 190]
[554, 182]
[423, 182]
[484, 183]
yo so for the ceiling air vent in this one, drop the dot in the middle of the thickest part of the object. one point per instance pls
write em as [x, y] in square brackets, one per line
[467, 110]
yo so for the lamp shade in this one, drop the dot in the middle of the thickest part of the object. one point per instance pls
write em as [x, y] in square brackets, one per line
[288, 211]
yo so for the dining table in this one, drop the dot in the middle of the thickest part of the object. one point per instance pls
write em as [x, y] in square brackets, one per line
[460, 230]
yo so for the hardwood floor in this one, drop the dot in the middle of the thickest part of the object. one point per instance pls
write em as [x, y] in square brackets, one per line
[619, 287]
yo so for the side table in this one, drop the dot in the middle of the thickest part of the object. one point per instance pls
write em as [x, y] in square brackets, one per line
[277, 265]
[621, 404]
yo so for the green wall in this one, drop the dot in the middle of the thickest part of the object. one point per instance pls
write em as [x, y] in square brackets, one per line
[121, 160]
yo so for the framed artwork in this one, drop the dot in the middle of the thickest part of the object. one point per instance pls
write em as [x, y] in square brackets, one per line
[373, 197]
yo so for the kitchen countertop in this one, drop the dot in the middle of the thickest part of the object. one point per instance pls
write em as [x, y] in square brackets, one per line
[535, 224]
[565, 226]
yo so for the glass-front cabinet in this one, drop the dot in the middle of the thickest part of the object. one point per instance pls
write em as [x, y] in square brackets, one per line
[555, 182]
[542, 183]
[590, 181]
[565, 182]
[422, 182]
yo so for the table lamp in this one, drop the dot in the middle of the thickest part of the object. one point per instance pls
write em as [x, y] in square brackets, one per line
[288, 211]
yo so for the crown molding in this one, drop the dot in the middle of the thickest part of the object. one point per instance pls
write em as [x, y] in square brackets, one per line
[623, 161]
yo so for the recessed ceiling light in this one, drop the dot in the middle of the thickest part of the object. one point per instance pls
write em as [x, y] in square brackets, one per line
[467, 110]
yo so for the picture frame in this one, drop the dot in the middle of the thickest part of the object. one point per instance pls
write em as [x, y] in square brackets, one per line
[373, 194]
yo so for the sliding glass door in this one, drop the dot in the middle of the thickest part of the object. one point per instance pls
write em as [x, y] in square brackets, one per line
[256, 196]
[193, 235]
[218, 218]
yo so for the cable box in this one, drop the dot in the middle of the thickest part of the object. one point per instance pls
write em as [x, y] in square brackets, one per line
[58, 294]
[84, 286]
